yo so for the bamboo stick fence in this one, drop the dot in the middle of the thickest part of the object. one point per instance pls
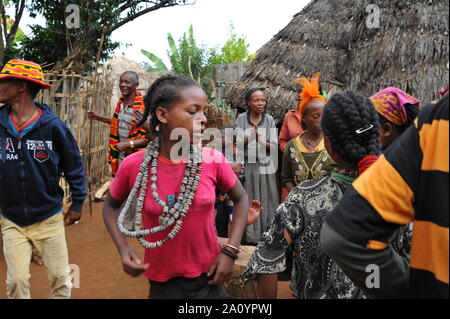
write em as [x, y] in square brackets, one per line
[70, 97]
[220, 114]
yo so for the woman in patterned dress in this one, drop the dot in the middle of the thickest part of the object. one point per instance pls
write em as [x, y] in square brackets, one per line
[305, 156]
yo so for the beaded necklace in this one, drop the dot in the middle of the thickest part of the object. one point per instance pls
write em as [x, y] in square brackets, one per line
[170, 216]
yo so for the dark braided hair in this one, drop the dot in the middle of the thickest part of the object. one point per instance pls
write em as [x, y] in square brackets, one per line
[164, 92]
[345, 114]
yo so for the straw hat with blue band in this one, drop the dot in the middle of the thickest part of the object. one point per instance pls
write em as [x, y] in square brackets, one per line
[24, 70]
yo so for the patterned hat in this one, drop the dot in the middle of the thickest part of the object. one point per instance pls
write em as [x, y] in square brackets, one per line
[24, 70]
[390, 103]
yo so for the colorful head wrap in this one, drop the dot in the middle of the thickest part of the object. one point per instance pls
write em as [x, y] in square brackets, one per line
[24, 70]
[390, 103]
[443, 92]
[310, 90]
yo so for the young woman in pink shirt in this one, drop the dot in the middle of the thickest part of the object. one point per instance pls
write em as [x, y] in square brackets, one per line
[175, 214]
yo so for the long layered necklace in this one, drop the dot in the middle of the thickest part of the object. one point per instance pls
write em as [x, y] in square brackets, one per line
[171, 216]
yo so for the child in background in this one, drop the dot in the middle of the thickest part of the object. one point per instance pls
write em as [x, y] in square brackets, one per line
[224, 205]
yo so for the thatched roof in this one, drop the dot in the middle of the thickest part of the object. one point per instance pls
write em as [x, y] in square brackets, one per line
[409, 50]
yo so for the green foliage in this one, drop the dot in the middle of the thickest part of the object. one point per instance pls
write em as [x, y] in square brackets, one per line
[158, 63]
[19, 36]
[55, 42]
[190, 59]
[40, 45]
[198, 61]
[234, 50]
[13, 35]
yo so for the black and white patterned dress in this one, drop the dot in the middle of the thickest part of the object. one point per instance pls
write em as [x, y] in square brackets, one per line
[314, 274]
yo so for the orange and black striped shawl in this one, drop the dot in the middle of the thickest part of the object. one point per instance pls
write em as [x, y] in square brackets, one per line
[409, 183]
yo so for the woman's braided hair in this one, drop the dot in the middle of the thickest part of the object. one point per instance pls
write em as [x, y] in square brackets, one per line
[164, 92]
[344, 115]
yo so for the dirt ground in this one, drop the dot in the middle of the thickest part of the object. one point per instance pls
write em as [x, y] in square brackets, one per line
[101, 276]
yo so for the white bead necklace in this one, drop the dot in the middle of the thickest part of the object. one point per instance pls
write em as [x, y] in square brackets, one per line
[170, 216]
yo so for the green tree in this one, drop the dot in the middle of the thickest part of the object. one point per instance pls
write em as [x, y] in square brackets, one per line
[197, 61]
[157, 63]
[188, 58]
[10, 32]
[234, 50]
[79, 45]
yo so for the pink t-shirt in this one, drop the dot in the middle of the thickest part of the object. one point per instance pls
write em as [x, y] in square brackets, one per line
[194, 248]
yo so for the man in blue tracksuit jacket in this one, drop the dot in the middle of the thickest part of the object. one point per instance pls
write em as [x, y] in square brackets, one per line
[36, 149]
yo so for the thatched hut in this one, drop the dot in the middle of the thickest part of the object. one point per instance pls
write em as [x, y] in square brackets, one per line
[362, 45]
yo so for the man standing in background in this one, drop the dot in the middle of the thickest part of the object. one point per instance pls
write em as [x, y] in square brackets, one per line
[125, 138]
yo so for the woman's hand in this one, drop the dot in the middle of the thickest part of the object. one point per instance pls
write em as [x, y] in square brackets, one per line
[255, 133]
[258, 139]
[221, 268]
[236, 167]
[131, 262]
[254, 211]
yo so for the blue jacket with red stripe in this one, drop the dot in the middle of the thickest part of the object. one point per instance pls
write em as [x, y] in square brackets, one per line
[32, 165]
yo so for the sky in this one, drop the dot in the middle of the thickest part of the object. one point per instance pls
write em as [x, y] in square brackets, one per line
[257, 20]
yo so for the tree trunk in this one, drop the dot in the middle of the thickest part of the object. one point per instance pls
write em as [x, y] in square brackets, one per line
[3, 23]
[2, 47]
[73, 61]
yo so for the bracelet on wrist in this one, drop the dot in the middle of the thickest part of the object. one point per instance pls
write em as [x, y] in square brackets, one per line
[229, 253]
[236, 250]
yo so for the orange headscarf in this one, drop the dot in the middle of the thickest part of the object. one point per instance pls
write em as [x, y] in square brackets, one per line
[310, 90]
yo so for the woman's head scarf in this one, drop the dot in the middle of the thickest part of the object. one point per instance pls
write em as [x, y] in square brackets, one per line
[390, 103]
